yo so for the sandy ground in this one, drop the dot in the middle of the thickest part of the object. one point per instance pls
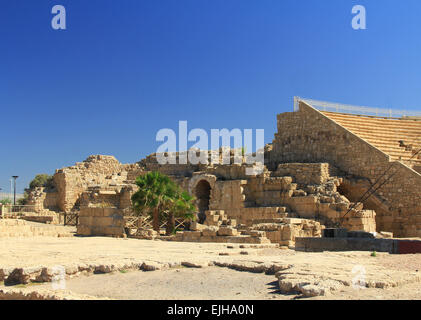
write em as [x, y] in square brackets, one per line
[209, 282]
[44, 251]
[212, 283]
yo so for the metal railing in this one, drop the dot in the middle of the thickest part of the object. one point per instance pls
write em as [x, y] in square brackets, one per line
[357, 110]
[16, 210]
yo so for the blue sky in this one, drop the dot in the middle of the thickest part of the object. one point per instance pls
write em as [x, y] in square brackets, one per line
[122, 70]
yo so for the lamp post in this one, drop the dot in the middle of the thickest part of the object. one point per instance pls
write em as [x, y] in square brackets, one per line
[1, 208]
[14, 191]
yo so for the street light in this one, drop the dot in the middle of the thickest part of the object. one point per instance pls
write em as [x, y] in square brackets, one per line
[14, 194]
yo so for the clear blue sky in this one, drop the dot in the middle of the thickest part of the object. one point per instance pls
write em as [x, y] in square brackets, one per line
[125, 69]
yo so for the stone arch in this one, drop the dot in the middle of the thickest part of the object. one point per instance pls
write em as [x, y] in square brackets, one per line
[202, 186]
[202, 194]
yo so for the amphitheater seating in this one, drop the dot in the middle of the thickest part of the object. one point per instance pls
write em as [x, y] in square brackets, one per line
[399, 138]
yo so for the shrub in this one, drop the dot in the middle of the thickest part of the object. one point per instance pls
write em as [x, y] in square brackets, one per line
[23, 201]
[6, 201]
[42, 180]
[159, 196]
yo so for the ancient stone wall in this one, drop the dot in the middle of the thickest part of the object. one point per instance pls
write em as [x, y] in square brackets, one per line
[306, 173]
[101, 222]
[43, 199]
[96, 170]
[228, 195]
[21, 228]
[309, 136]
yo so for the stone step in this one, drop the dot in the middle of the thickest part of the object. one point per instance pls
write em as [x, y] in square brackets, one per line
[274, 220]
[22, 228]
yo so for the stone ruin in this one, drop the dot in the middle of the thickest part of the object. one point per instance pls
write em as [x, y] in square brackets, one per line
[295, 200]
[314, 174]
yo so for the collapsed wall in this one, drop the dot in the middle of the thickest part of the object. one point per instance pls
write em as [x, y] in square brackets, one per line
[43, 199]
[310, 136]
[96, 170]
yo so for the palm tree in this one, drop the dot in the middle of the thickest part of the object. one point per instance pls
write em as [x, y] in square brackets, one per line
[183, 206]
[156, 193]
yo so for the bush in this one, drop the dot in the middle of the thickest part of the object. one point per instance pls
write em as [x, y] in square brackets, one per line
[42, 180]
[23, 201]
[159, 196]
[6, 201]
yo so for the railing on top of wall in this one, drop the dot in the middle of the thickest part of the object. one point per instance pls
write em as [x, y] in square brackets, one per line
[358, 110]
[16, 210]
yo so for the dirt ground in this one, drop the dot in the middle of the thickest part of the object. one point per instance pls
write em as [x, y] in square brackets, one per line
[210, 282]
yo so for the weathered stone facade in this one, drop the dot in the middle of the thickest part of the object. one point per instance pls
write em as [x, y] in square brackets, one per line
[315, 170]
[309, 136]
[101, 171]
[268, 200]
[97, 221]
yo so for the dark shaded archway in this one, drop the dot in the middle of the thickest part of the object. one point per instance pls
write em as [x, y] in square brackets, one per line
[202, 193]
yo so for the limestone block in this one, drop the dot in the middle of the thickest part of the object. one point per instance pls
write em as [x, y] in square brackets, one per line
[195, 226]
[292, 220]
[150, 234]
[227, 231]
[210, 231]
[83, 230]
[191, 235]
[221, 239]
[208, 238]
[274, 236]
[287, 233]
[257, 233]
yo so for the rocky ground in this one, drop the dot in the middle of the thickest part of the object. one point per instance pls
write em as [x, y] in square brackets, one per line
[118, 269]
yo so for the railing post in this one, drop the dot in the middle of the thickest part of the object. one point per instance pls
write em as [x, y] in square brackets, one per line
[295, 104]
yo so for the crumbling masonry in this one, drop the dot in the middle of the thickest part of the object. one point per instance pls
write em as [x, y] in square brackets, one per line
[315, 171]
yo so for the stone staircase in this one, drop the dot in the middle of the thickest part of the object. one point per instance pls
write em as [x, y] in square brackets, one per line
[218, 218]
[10, 228]
[264, 201]
[276, 200]
[219, 228]
[284, 231]
[399, 138]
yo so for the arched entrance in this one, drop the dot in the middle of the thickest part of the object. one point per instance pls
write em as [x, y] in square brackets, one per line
[202, 193]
